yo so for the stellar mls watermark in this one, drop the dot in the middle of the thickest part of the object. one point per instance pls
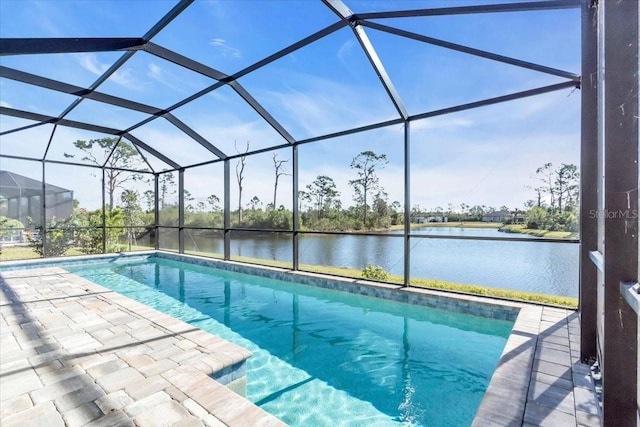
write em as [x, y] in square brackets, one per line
[614, 214]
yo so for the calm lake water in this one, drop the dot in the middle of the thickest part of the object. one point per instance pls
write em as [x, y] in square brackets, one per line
[550, 268]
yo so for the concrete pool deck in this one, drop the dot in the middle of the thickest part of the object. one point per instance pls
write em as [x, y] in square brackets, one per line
[77, 354]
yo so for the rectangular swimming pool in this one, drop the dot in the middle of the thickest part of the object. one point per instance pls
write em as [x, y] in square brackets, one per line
[323, 357]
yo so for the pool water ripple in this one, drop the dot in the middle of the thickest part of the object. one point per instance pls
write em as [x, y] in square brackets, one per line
[326, 358]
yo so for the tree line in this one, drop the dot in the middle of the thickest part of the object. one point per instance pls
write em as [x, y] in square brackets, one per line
[554, 206]
[557, 200]
[320, 203]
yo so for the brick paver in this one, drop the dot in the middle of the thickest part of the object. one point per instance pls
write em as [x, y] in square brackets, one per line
[74, 353]
[554, 389]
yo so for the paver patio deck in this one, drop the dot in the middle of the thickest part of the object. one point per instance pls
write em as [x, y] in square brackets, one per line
[540, 380]
[74, 353]
[77, 354]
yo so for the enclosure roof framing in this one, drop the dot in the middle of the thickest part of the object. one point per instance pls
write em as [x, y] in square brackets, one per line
[34, 46]
[358, 23]
[363, 39]
[180, 84]
[32, 79]
[468, 10]
[472, 51]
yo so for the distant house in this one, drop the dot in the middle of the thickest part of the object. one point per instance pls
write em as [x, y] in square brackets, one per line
[21, 199]
[423, 219]
[496, 216]
[514, 217]
[517, 217]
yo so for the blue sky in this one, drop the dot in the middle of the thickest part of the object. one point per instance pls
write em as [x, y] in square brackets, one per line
[481, 156]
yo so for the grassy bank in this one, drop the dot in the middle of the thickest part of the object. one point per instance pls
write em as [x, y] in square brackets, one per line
[430, 284]
[17, 253]
[462, 224]
[14, 253]
[521, 229]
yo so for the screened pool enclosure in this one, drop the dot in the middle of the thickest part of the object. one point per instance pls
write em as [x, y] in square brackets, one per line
[406, 141]
[307, 148]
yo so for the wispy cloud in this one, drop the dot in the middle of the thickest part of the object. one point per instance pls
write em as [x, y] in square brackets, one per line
[441, 123]
[345, 55]
[123, 77]
[160, 75]
[47, 17]
[5, 104]
[89, 62]
[225, 50]
[345, 49]
[316, 105]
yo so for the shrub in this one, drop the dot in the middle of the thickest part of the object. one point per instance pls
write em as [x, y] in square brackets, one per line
[536, 218]
[59, 238]
[8, 227]
[375, 272]
[89, 239]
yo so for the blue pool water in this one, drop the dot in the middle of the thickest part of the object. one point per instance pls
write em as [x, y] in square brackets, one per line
[322, 357]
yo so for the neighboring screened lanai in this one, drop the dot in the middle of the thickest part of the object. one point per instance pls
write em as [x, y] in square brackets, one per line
[345, 137]
[20, 199]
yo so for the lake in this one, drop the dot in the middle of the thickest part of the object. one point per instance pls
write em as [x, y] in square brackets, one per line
[543, 267]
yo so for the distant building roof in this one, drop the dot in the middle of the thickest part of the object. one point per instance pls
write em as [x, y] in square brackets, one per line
[497, 213]
[13, 185]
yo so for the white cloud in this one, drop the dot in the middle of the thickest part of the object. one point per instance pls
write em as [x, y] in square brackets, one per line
[123, 77]
[441, 122]
[5, 104]
[158, 74]
[49, 18]
[223, 47]
[345, 54]
[89, 61]
[317, 105]
[487, 175]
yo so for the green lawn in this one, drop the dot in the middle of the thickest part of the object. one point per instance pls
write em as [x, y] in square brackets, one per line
[430, 284]
[13, 253]
[17, 253]
[521, 229]
[457, 224]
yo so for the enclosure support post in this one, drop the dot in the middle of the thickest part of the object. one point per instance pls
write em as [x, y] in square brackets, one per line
[296, 213]
[227, 209]
[104, 216]
[588, 281]
[44, 212]
[407, 203]
[156, 209]
[619, 368]
[181, 211]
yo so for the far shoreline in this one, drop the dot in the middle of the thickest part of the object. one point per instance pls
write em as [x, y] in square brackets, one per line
[456, 224]
[505, 228]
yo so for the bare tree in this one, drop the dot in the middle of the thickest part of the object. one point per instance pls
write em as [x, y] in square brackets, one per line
[279, 170]
[242, 161]
[546, 175]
